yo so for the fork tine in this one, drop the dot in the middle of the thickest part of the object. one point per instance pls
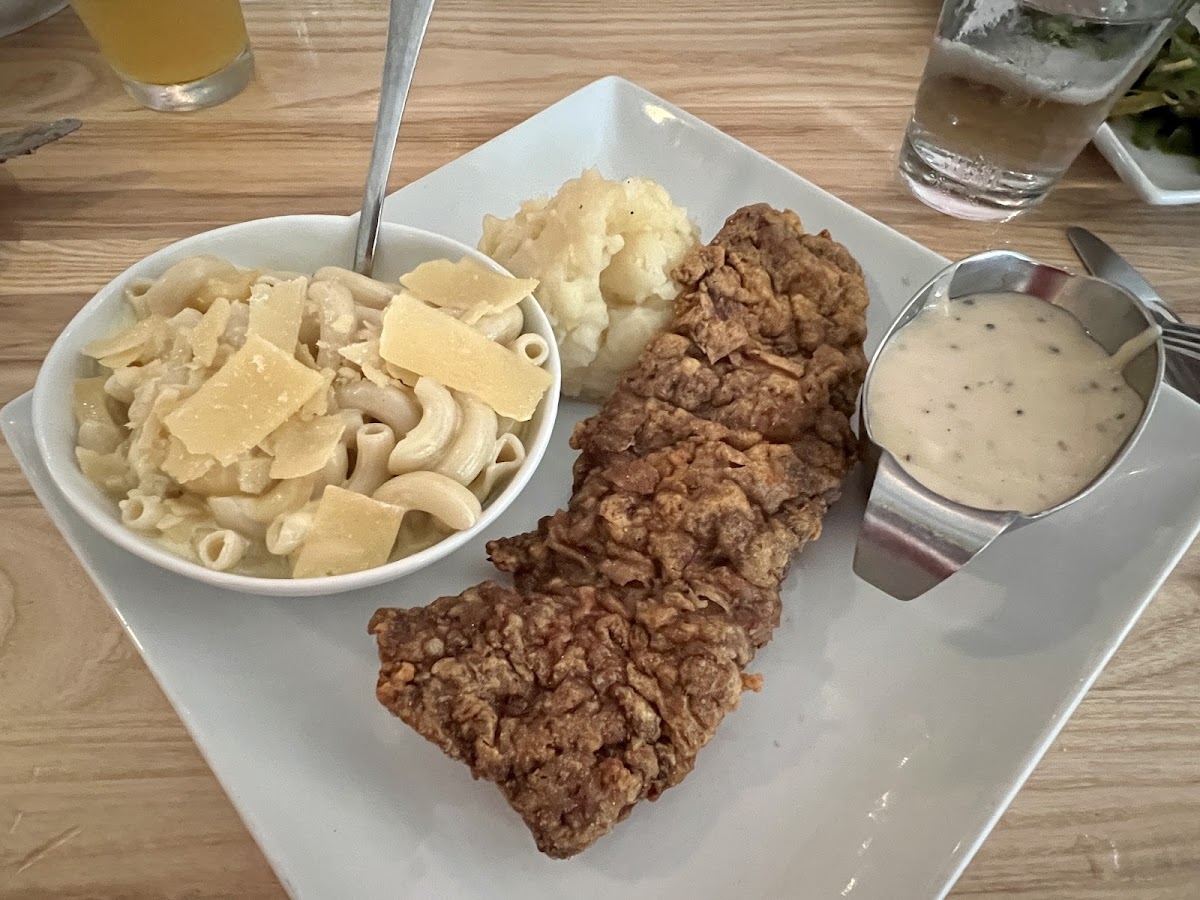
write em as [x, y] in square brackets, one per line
[1180, 330]
[1185, 346]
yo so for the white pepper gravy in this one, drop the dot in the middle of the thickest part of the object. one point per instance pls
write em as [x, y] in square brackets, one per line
[1002, 401]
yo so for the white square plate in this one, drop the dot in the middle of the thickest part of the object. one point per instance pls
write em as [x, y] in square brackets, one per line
[886, 741]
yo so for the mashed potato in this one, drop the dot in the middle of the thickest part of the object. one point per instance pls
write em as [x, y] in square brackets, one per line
[603, 252]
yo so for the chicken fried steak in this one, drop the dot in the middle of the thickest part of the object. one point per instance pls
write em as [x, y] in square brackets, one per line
[594, 681]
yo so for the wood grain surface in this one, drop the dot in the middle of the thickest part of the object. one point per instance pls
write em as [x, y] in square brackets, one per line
[102, 793]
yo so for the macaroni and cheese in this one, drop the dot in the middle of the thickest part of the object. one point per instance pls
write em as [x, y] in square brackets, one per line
[278, 424]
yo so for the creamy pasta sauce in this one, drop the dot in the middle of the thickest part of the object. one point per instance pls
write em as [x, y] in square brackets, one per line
[1002, 401]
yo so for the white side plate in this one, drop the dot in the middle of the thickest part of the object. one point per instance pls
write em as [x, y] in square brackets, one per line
[887, 740]
[1162, 179]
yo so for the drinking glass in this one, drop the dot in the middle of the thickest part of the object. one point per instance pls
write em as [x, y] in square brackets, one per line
[1014, 89]
[172, 54]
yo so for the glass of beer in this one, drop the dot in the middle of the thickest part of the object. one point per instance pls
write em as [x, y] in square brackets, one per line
[172, 54]
[1014, 89]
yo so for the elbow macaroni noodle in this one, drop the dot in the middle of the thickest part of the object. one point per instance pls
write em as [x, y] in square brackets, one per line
[372, 446]
[503, 328]
[427, 441]
[223, 446]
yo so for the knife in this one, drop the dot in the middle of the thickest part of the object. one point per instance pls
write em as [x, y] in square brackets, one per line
[1101, 260]
[18, 143]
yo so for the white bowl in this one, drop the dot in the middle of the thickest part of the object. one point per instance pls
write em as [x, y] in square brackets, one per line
[295, 243]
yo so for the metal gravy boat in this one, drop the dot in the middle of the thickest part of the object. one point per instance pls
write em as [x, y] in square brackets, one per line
[912, 538]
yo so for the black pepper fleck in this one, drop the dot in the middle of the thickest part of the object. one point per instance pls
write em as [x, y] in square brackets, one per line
[1094, 385]
[968, 302]
[1120, 416]
[1041, 319]
[1055, 349]
[1020, 412]
[990, 327]
[1116, 389]
[1062, 445]
[954, 347]
[908, 457]
[966, 387]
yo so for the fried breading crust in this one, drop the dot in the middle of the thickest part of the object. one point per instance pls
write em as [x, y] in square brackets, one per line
[594, 682]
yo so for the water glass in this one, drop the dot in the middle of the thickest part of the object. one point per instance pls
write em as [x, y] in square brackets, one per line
[1012, 92]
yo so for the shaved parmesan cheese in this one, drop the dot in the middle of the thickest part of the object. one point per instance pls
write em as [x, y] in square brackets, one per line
[360, 353]
[318, 403]
[232, 287]
[433, 344]
[121, 359]
[133, 339]
[365, 355]
[405, 376]
[203, 339]
[301, 448]
[467, 286]
[276, 310]
[184, 466]
[254, 474]
[350, 532]
[255, 392]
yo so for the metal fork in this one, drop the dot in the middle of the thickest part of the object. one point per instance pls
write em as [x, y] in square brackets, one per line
[1181, 338]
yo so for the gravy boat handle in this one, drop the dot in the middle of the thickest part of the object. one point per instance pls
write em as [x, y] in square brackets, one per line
[913, 539]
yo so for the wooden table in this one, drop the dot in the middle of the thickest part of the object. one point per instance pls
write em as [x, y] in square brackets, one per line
[102, 793]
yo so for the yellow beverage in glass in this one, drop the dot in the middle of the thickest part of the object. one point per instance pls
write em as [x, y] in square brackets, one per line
[172, 54]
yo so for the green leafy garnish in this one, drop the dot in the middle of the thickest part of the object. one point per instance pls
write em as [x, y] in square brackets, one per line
[1061, 30]
[1093, 38]
[1164, 103]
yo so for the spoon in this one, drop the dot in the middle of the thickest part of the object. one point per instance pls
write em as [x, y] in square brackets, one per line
[407, 20]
